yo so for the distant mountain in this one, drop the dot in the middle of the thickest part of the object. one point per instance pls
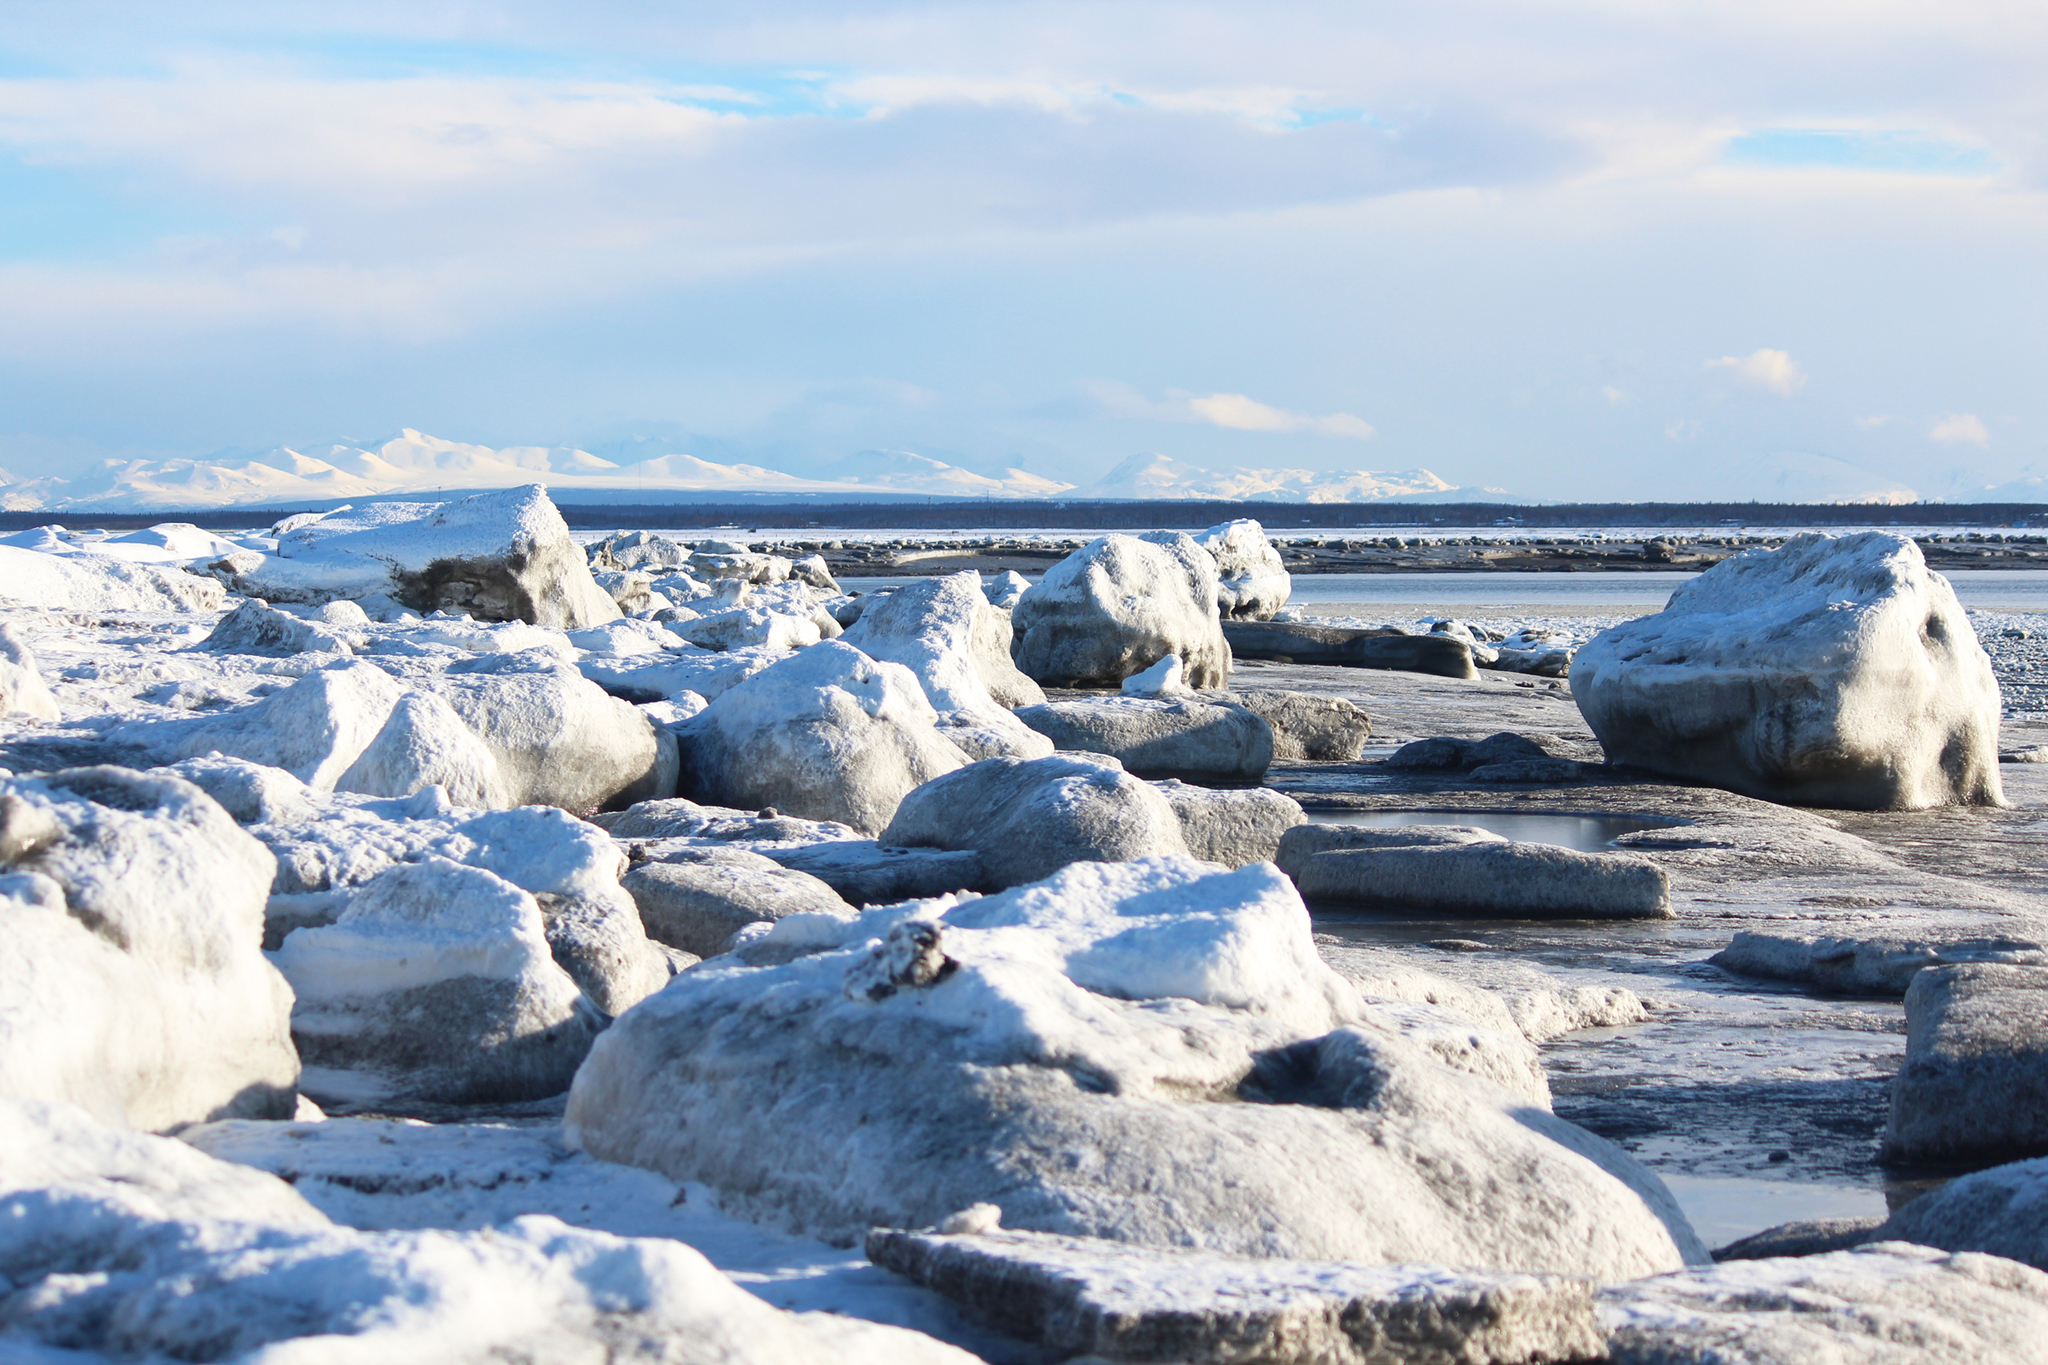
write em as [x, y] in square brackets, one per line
[1162, 476]
[415, 463]
[921, 474]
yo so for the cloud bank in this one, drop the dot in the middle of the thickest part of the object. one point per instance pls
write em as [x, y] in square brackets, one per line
[1495, 239]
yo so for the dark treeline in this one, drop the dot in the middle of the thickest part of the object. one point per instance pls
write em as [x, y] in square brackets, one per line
[1278, 517]
[1090, 516]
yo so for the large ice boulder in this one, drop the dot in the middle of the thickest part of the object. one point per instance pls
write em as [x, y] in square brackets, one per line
[638, 550]
[328, 848]
[2002, 1211]
[314, 729]
[424, 743]
[501, 556]
[1231, 825]
[1147, 1052]
[256, 627]
[98, 582]
[1466, 870]
[1887, 1304]
[1382, 647]
[1834, 671]
[22, 689]
[697, 898]
[1975, 1079]
[558, 739]
[537, 733]
[117, 1245]
[1308, 725]
[749, 628]
[1118, 605]
[1185, 737]
[1029, 819]
[1085, 1298]
[828, 734]
[132, 977]
[1251, 582]
[434, 984]
[944, 631]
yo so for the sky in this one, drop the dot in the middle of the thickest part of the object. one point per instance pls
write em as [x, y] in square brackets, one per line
[1583, 249]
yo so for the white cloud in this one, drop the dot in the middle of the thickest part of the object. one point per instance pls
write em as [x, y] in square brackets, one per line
[1614, 396]
[1775, 371]
[1960, 426]
[1231, 411]
[1681, 429]
[1239, 413]
[1879, 420]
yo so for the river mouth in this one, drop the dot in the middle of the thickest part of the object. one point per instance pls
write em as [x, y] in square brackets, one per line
[1584, 833]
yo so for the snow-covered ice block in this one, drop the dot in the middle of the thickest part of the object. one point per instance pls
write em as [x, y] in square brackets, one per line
[1505, 997]
[424, 743]
[2002, 1211]
[435, 984]
[1382, 647]
[1003, 589]
[252, 793]
[944, 631]
[558, 739]
[1147, 1052]
[1251, 582]
[572, 869]
[1303, 842]
[506, 555]
[828, 734]
[625, 638]
[119, 1245]
[22, 689]
[748, 628]
[1975, 1078]
[1307, 725]
[1880, 965]
[676, 818]
[865, 872]
[632, 591]
[1231, 825]
[1445, 753]
[639, 550]
[132, 978]
[314, 729]
[256, 627]
[1890, 1303]
[1163, 679]
[1026, 819]
[1489, 879]
[652, 677]
[167, 542]
[1086, 1297]
[1833, 671]
[813, 571]
[1185, 737]
[698, 898]
[98, 582]
[1117, 606]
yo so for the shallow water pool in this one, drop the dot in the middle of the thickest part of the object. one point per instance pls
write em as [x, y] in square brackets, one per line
[1586, 833]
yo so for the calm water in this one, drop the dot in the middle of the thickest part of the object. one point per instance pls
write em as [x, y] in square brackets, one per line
[1568, 594]
[1562, 594]
[1587, 833]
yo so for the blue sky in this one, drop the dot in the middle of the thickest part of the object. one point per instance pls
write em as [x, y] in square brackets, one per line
[1612, 248]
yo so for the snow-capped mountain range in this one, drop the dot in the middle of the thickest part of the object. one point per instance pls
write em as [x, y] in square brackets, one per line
[412, 463]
